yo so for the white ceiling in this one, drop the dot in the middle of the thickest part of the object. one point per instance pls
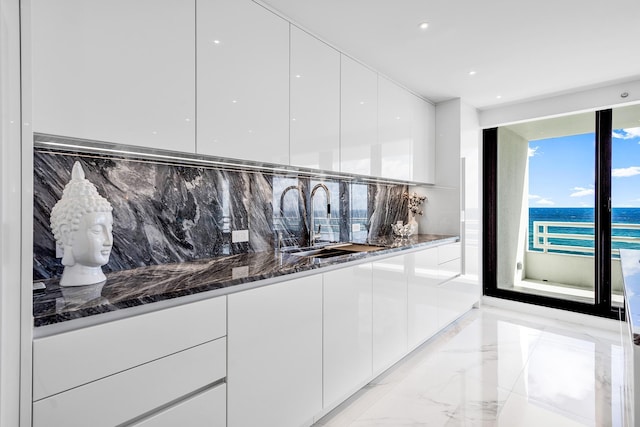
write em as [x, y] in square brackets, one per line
[519, 49]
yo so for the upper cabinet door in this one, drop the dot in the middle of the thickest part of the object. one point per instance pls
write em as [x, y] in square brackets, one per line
[395, 133]
[424, 141]
[359, 152]
[117, 71]
[315, 103]
[243, 81]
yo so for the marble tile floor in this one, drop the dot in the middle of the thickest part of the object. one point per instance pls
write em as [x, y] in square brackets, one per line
[496, 367]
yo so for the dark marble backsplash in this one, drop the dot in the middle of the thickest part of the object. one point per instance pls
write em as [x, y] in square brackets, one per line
[170, 213]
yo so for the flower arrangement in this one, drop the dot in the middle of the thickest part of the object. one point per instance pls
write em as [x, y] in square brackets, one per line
[414, 202]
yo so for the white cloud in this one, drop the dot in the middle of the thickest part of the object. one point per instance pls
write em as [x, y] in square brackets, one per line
[582, 192]
[627, 133]
[533, 197]
[545, 202]
[625, 172]
[533, 151]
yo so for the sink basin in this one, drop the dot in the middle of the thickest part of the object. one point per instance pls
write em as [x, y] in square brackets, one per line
[339, 249]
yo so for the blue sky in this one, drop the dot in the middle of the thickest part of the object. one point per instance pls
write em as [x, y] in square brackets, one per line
[561, 170]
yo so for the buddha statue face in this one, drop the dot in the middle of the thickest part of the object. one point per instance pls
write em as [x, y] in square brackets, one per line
[82, 223]
[92, 241]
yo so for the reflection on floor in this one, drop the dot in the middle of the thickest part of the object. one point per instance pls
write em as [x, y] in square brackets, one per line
[562, 291]
[498, 368]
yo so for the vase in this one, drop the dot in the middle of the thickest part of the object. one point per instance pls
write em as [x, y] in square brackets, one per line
[414, 225]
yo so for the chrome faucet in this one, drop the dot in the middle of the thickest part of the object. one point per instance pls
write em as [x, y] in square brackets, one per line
[312, 233]
[284, 193]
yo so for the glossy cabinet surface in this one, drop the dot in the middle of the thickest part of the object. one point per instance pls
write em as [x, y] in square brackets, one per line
[206, 409]
[395, 130]
[422, 283]
[60, 361]
[242, 81]
[116, 71]
[389, 312]
[275, 354]
[315, 103]
[359, 152]
[406, 134]
[136, 365]
[122, 397]
[424, 141]
[347, 331]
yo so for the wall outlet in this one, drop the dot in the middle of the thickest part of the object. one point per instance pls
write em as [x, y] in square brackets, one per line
[240, 272]
[355, 227]
[239, 236]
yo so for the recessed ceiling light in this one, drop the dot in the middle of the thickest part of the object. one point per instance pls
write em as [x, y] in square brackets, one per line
[298, 76]
[216, 42]
[472, 72]
[423, 25]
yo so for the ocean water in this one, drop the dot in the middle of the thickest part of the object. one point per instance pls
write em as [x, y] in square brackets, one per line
[618, 216]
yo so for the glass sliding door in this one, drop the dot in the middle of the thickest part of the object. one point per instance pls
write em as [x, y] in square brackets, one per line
[561, 197]
[625, 191]
[545, 208]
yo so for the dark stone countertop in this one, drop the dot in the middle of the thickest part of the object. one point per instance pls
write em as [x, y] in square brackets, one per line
[630, 261]
[208, 277]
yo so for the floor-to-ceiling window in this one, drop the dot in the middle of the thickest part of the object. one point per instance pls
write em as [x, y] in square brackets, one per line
[552, 232]
[625, 191]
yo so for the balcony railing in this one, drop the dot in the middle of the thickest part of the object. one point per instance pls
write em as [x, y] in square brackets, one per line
[577, 238]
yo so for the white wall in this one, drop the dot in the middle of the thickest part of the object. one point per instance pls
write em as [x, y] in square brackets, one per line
[585, 100]
[512, 189]
[457, 137]
[15, 233]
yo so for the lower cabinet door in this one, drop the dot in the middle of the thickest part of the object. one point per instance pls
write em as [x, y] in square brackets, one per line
[206, 409]
[347, 331]
[455, 298]
[422, 290]
[389, 312]
[274, 376]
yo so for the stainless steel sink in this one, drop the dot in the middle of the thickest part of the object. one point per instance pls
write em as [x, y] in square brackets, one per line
[335, 250]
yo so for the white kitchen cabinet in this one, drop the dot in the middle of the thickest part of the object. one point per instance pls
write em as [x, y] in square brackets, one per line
[422, 289]
[456, 297]
[389, 312]
[242, 81]
[116, 71]
[347, 331]
[406, 134]
[150, 362]
[395, 130]
[315, 103]
[122, 397]
[205, 409]
[424, 141]
[274, 373]
[452, 299]
[359, 151]
[61, 361]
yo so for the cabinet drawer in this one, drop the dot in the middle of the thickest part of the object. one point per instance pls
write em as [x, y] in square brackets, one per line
[449, 269]
[206, 409]
[125, 396]
[448, 252]
[70, 359]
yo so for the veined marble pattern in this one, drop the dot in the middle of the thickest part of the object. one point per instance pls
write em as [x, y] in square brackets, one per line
[498, 368]
[170, 213]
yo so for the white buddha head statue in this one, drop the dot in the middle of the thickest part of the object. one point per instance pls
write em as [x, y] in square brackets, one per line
[82, 224]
